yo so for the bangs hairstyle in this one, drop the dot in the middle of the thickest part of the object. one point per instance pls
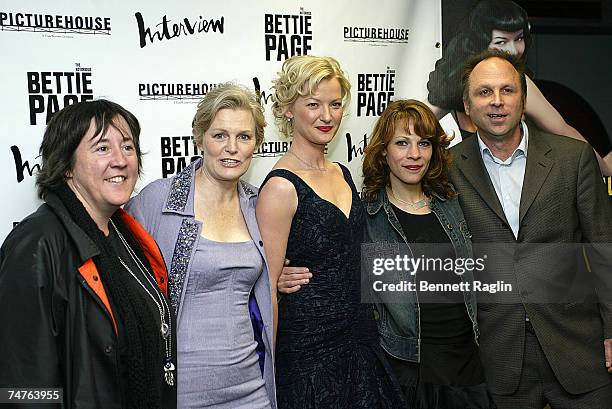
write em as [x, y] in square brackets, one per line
[503, 15]
[399, 114]
[444, 83]
[65, 131]
[228, 96]
[299, 77]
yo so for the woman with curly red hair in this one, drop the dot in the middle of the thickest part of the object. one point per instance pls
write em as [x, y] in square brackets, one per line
[430, 337]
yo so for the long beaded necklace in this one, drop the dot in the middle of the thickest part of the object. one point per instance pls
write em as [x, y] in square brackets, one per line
[165, 328]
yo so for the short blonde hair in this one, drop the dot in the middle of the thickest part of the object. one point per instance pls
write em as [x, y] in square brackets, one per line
[299, 77]
[228, 96]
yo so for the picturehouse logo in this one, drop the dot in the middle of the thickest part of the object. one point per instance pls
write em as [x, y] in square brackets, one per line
[178, 92]
[272, 148]
[55, 23]
[376, 35]
[287, 35]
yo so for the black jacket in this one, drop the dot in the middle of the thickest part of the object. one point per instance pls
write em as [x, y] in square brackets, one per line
[57, 326]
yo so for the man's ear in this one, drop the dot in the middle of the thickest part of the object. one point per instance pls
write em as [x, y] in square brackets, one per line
[466, 107]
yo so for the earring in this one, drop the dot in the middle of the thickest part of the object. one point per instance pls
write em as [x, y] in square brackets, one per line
[289, 119]
[384, 153]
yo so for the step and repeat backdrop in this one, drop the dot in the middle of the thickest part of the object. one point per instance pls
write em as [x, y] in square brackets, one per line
[159, 61]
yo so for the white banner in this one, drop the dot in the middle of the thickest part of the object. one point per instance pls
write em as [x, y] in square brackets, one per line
[158, 61]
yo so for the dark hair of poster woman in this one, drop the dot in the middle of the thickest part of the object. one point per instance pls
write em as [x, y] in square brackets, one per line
[504, 25]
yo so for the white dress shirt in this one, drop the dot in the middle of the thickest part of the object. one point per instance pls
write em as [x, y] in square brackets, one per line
[507, 177]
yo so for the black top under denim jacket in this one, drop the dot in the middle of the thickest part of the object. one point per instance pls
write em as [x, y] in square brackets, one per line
[398, 323]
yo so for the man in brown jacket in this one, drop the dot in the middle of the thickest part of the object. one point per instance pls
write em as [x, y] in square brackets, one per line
[520, 187]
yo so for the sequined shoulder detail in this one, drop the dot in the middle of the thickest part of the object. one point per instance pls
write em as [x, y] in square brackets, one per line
[247, 188]
[179, 189]
[180, 260]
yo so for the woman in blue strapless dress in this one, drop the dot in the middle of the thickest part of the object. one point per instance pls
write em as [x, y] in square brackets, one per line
[327, 352]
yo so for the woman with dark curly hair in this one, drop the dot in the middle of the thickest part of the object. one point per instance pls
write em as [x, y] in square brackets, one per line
[430, 337]
[500, 24]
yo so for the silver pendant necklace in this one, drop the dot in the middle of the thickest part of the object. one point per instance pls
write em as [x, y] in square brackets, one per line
[419, 204]
[313, 167]
[165, 328]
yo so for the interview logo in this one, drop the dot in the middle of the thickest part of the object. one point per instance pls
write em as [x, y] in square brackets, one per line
[355, 146]
[168, 29]
[265, 97]
[23, 167]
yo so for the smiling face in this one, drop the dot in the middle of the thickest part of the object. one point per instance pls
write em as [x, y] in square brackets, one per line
[105, 169]
[317, 117]
[510, 41]
[495, 102]
[408, 155]
[228, 145]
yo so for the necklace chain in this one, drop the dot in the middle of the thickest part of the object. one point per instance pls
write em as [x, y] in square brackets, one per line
[313, 167]
[419, 204]
[160, 302]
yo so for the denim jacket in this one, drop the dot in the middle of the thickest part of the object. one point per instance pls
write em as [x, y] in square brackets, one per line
[398, 323]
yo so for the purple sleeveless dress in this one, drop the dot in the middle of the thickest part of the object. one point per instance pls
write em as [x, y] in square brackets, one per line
[218, 362]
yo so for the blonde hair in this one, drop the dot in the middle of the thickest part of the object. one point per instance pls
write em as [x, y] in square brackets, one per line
[299, 77]
[228, 96]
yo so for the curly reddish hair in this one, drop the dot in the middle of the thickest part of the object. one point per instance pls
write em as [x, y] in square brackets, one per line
[402, 113]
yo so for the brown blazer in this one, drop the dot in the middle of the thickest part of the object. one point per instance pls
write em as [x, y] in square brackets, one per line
[563, 200]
